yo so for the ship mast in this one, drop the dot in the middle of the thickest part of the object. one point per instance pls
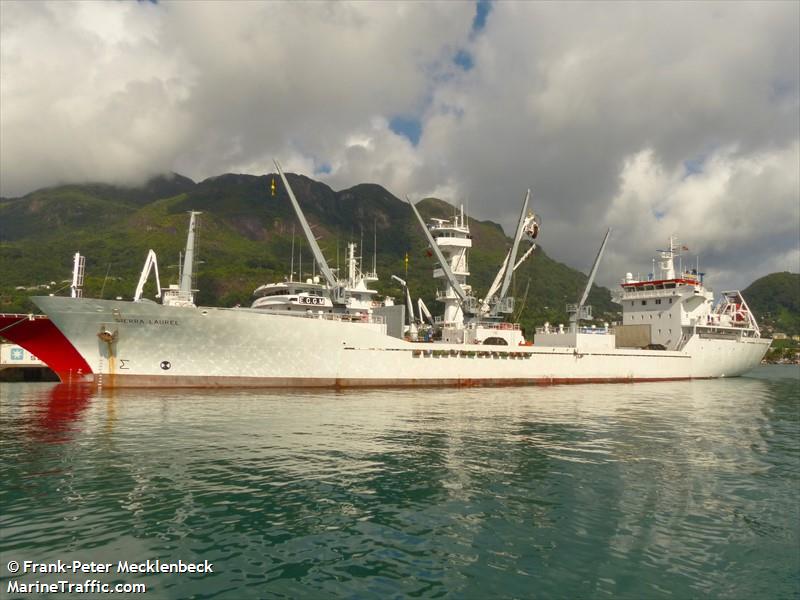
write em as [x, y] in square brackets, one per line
[462, 296]
[188, 259]
[181, 293]
[78, 269]
[667, 262]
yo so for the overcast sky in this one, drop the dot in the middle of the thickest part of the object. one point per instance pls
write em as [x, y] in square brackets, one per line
[650, 118]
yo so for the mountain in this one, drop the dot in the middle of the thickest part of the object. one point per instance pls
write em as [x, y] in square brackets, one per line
[775, 300]
[245, 240]
[81, 206]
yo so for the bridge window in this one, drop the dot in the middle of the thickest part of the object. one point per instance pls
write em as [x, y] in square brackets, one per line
[644, 302]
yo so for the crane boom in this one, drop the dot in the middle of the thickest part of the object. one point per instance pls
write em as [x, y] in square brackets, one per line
[512, 257]
[312, 241]
[439, 256]
[150, 263]
[578, 311]
[593, 271]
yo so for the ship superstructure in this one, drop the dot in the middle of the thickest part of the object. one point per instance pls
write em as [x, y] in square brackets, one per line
[313, 295]
[453, 240]
[673, 307]
[327, 292]
[466, 319]
[337, 336]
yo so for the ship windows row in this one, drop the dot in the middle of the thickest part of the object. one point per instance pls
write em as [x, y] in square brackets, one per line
[644, 302]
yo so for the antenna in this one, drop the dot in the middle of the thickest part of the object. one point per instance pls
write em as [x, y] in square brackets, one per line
[291, 266]
[375, 247]
[524, 300]
[103, 288]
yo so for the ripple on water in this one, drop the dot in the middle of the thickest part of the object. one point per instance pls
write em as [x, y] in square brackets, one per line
[654, 490]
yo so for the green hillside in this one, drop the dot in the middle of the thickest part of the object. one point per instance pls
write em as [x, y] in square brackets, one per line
[245, 240]
[775, 300]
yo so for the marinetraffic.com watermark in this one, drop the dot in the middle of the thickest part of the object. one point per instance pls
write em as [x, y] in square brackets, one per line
[79, 576]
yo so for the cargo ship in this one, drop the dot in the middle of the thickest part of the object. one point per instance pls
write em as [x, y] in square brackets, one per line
[330, 331]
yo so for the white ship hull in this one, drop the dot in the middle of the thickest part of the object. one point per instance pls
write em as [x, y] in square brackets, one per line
[164, 346]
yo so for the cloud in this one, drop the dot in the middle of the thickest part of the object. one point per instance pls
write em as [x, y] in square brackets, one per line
[650, 118]
[123, 90]
[577, 99]
[727, 214]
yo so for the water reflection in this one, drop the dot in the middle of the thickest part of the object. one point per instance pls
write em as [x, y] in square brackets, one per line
[60, 412]
[583, 491]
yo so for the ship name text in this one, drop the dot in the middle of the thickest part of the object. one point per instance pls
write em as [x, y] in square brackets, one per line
[157, 322]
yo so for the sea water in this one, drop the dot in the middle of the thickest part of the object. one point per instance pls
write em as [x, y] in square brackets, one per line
[651, 490]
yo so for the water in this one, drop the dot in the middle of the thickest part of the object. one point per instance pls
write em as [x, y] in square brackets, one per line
[674, 490]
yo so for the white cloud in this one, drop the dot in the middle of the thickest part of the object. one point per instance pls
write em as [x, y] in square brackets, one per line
[569, 98]
[598, 107]
[118, 91]
[728, 214]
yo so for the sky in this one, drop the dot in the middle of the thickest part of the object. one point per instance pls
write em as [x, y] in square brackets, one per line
[650, 118]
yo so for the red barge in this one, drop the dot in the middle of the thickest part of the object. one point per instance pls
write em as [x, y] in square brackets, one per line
[39, 336]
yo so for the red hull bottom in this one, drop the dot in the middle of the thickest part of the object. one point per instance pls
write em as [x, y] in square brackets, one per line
[176, 381]
[39, 336]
